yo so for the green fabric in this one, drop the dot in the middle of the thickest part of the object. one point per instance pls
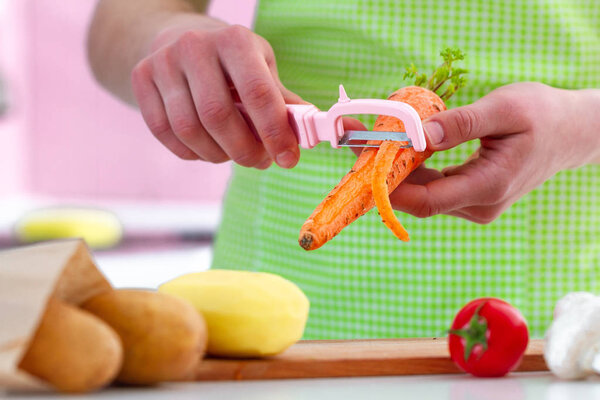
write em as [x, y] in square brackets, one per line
[365, 282]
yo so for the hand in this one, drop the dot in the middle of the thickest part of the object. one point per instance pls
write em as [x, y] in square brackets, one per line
[186, 90]
[527, 133]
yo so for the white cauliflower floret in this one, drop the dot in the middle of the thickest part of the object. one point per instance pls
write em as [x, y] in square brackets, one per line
[573, 340]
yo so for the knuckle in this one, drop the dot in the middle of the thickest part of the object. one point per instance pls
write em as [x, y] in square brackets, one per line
[513, 107]
[185, 129]
[192, 46]
[237, 32]
[189, 40]
[468, 122]
[234, 36]
[267, 50]
[163, 58]
[159, 126]
[514, 103]
[214, 112]
[141, 72]
[486, 216]
[258, 92]
[425, 209]
[217, 158]
[246, 159]
[186, 154]
[498, 190]
[533, 86]
[271, 134]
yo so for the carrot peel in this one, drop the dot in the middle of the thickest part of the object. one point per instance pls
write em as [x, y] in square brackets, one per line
[384, 163]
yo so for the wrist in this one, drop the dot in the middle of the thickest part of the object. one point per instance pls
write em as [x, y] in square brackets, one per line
[170, 26]
[587, 106]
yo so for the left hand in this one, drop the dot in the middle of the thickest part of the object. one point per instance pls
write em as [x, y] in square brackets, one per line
[527, 131]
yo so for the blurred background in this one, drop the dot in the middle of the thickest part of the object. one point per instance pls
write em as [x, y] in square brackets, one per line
[65, 142]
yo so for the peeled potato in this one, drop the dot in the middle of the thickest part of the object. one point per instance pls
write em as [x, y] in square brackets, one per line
[73, 350]
[163, 336]
[100, 229]
[248, 314]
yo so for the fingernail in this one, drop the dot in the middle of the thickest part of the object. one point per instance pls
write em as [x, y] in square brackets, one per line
[434, 132]
[286, 159]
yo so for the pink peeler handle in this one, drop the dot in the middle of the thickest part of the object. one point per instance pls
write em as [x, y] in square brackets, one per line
[313, 126]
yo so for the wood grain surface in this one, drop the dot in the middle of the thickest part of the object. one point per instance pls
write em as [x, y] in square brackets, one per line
[347, 358]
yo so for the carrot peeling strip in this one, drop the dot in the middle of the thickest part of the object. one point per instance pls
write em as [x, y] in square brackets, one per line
[384, 164]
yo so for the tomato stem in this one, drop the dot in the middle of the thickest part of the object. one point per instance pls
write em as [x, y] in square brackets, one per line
[475, 333]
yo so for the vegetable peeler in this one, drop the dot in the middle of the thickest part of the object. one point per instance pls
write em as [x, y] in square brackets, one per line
[313, 126]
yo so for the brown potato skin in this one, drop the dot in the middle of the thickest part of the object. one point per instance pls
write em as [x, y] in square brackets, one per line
[163, 336]
[73, 350]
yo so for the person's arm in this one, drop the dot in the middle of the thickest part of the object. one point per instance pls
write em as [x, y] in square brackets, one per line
[527, 131]
[589, 122]
[122, 33]
[185, 71]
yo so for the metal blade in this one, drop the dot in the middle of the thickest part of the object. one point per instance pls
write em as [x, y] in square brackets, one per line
[350, 137]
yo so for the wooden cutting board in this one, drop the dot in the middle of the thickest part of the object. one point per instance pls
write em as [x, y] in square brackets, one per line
[347, 358]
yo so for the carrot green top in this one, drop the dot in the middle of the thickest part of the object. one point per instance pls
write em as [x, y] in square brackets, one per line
[365, 282]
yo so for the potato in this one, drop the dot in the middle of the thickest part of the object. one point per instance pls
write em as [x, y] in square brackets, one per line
[248, 314]
[73, 350]
[163, 336]
[99, 228]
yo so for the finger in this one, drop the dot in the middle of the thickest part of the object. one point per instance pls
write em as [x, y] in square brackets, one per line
[422, 175]
[289, 97]
[488, 213]
[460, 214]
[218, 114]
[402, 197]
[491, 115]
[469, 185]
[454, 169]
[153, 112]
[262, 99]
[182, 115]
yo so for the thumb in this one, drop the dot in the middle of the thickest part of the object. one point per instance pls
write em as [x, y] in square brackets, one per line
[488, 116]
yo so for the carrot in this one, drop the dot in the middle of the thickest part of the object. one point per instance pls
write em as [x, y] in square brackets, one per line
[378, 172]
[388, 172]
[384, 163]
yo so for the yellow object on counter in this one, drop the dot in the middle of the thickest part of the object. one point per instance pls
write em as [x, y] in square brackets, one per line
[248, 314]
[163, 336]
[100, 229]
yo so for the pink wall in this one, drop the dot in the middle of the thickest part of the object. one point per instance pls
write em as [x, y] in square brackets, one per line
[14, 124]
[78, 140]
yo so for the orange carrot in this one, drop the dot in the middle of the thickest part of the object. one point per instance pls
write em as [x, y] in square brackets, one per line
[385, 178]
[378, 172]
[384, 163]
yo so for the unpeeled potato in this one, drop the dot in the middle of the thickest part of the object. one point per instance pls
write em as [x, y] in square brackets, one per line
[248, 314]
[163, 336]
[73, 350]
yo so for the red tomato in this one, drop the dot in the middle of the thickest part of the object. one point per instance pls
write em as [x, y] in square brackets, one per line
[488, 337]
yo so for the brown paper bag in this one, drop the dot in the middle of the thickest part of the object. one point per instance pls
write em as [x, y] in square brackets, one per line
[29, 276]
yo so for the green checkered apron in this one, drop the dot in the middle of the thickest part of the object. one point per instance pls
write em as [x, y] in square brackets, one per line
[365, 282]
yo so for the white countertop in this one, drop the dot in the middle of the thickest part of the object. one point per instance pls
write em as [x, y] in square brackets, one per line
[522, 386]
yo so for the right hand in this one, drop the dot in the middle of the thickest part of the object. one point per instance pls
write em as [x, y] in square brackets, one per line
[186, 88]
